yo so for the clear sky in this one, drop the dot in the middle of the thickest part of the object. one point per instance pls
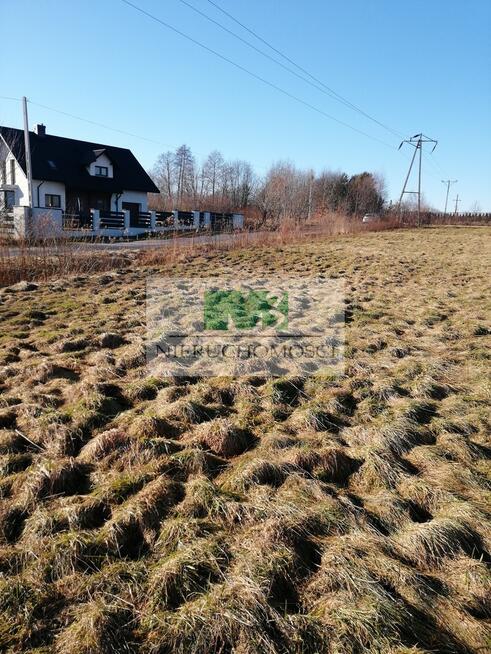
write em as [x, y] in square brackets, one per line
[415, 66]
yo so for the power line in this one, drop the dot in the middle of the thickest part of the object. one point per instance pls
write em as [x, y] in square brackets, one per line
[120, 131]
[331, 92]
[435, 167]
[316, 84]
[437, 163]
[258, 77]
[93, 122]
[250, 45]
[9, 97]
[87, 120]
[254, 75]
[435, 171]
[428, 170]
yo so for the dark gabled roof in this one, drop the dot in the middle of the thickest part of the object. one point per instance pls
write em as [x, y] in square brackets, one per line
[59, 159]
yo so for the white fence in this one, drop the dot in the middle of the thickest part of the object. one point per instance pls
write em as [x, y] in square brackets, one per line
[40, 222]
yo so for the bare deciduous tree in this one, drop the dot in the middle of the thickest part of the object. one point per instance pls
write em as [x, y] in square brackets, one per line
[285, 193]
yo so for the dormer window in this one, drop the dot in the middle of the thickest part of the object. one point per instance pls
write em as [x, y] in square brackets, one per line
[101, 171]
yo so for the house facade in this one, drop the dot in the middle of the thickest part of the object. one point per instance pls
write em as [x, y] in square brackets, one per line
[71, 175]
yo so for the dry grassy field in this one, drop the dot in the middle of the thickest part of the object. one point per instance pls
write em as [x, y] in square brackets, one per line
[252, 515]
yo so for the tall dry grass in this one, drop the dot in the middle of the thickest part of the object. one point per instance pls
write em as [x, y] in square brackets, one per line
[40, 260]
[289, 232]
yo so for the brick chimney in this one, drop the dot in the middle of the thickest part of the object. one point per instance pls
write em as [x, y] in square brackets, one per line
[41, 130]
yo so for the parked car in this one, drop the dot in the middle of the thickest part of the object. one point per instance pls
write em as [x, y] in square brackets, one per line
[371, 218]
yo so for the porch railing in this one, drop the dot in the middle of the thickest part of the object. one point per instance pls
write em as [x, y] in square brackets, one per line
[220, 222]
[185, 218]
[144, 220]
[164, 219]
[77, 221]
[111, 220]
[6, 222]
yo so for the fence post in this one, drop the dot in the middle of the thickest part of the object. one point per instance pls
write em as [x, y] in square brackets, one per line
[153, 219]
[237, 221]
[175, 223]
[96, 219]
[21, 222]
[196, 219]
[47, 223]
[127, 216]
[207, 221]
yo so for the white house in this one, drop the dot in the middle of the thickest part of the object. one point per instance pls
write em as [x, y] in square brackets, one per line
[71, 176]
[85, 189]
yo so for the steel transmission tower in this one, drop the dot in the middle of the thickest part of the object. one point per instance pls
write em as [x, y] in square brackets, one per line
[448, 182]
[417, 141]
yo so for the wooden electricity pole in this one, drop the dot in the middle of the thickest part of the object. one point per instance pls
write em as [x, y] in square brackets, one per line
[311, 181]
[27, 147]
[448, 182]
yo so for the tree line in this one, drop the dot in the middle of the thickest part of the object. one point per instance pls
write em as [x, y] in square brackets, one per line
[284, 193]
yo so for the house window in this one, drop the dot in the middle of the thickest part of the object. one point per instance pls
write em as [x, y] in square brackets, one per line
[3, 179]
[8, 200]
[12, 171]
[52, 201]
[101, 171]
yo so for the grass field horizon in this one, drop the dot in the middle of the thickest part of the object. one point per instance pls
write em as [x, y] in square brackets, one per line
[308, 514]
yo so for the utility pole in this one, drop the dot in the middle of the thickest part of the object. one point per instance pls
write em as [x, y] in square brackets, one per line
[457, 200]
[419, 180]
[448, 182]
[311, 180]
[406, 180]
[417, 141]
[27, 146]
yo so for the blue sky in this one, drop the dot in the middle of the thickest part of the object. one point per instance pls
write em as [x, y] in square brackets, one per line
[417, 66]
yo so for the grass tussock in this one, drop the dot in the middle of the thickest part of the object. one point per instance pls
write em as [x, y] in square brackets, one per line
[102, 444]
[430, 543]
[204, 499]
[248, 622]
[186, 573]
[135, 524]
[97, 626]
[51, 478]
[222, 437]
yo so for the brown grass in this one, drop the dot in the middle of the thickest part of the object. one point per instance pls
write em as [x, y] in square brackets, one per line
[292, 515]
[27, 260]
[40, 260]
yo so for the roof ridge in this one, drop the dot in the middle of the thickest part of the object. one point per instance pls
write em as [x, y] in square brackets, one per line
[67, 138]
[70, 157]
